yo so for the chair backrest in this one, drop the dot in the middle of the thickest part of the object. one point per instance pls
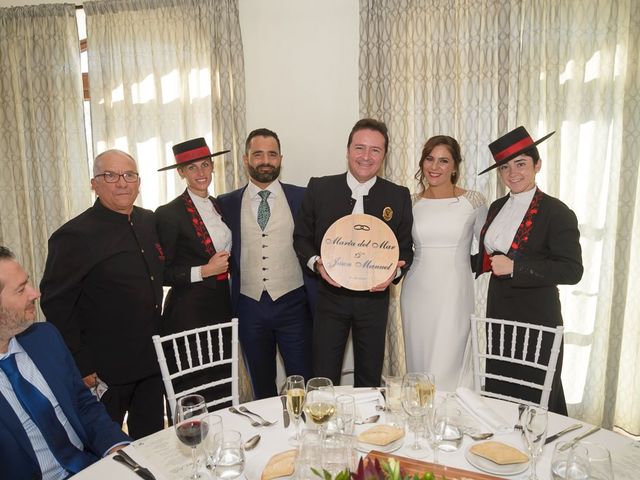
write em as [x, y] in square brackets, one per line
[486, 332]
[209, 353]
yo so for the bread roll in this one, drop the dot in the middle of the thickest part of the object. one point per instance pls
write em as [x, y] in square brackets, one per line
[381, 435]
[499, 453]
[280, 465]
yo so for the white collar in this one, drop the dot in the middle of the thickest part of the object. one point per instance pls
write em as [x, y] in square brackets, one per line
[353, 182]
[197, 198]
[274, 188]
[14, 347]
[523, 197]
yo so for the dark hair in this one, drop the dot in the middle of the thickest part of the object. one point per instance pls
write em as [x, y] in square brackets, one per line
[5, 254]
[261, 132]
[370, 124]
[533, 153]
[454, 149]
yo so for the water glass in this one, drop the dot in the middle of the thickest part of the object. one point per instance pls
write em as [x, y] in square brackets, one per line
[393, 393]
[534, 432]
[345, 413]
[229, 459]
[447, 429]
[337, 453]
[570, 461]
[600, 467]
[214, 426]
[309, 455]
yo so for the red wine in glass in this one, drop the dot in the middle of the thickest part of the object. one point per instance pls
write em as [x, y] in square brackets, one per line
[191, 432]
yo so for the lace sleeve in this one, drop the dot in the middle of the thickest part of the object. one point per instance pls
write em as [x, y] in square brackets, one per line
[476, 199]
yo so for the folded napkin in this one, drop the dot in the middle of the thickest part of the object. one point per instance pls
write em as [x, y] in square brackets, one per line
[477, 406]
[367, 396]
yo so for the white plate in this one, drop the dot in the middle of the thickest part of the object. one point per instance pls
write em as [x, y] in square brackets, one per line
[488, 466]
[390, 447]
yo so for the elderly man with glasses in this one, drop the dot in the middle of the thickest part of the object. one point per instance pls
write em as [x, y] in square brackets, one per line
[102, 288]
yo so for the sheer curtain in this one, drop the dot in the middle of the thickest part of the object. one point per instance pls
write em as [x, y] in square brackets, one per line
[476, 69]
[161, 72]
[44, 179]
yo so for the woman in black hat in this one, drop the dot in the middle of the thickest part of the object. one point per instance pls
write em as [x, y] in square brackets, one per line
[531, 244]
[196, 243]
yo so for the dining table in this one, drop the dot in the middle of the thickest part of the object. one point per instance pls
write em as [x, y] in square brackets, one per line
[167, 458]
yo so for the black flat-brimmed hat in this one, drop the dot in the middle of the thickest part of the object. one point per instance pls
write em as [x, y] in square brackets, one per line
[191, 151]
[510, 145]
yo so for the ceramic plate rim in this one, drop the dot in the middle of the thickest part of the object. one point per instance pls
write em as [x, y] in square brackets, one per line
[479, 462]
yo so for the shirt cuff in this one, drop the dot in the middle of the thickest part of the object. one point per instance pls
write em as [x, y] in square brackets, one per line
[196, 274]
[398, 272]
[114, 446]
[312, 261]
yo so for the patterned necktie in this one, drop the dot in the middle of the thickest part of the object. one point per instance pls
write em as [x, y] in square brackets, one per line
[264, 212]
[44, 416]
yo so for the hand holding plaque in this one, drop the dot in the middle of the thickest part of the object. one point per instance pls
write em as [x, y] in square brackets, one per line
[360, 252]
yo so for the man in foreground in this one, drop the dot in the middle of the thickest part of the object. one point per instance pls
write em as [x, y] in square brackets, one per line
[102, 288]
[340, 310]
[269, 291]
[51, 426]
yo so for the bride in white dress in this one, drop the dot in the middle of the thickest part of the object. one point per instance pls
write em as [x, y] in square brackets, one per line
[437, 294]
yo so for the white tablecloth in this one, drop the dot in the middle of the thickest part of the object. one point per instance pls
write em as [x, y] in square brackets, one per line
[168, 459]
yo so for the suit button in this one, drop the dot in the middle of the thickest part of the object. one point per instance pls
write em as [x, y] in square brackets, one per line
[264, 258]
[152, 278]
[264, 279]
[264, 268]
[142, 250]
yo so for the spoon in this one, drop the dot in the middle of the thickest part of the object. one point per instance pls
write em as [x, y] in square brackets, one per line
[477, 436]
[371, 419]
[252, 442]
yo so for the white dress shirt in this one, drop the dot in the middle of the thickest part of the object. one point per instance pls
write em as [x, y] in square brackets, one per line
[274, 188]
[502, 230]
[218, 230]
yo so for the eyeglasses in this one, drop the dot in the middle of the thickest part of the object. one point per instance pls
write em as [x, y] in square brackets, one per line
[112, 177]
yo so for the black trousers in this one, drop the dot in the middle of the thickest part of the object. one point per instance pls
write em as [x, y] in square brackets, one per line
[143, 401]
[365, 314]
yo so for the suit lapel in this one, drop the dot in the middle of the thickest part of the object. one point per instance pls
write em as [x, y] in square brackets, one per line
[15, 428]
[521, 238]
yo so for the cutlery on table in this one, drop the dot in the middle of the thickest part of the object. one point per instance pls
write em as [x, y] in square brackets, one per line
[578, 438]
[265, 423]
[470, 432]
[371, 419]
[139, 470]
[253, 422]
[555, 436]
[251, 443]
[285, 412]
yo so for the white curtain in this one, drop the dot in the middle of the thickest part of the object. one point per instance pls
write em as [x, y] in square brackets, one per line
[44, 179]
[475, 69]
[162, 72]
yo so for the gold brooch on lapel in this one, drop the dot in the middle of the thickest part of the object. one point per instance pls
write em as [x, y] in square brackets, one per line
[387, 214]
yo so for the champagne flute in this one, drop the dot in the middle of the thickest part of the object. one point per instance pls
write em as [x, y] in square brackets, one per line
[534, 429]
[320, 402]
[295, 402]
[417, 397]
[190, 428]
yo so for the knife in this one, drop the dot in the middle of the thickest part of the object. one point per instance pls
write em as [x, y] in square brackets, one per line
[139, 470]
[562, 432]
[285, 412]
[578, 438]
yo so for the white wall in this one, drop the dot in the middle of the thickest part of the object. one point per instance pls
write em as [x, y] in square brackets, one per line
[301, 74]
[301, 64]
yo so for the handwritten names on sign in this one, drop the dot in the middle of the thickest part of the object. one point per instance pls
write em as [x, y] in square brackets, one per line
[359, 251]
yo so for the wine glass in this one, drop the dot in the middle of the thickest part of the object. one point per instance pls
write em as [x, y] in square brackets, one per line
[320, 402]
[230, 455]
[534, 430]
[295, 403]
[190, 428]
[417, 397]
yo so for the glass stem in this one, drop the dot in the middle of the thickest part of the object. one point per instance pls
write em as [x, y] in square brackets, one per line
[195, 463]
[533, 475]
[296, 426]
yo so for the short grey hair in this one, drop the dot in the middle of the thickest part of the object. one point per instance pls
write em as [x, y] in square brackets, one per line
[97, 162]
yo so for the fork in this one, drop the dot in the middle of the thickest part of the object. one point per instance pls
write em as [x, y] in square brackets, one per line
[253, 422]
[264, 423]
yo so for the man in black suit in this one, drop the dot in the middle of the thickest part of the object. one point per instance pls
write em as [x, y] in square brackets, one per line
[269, 291]
[102, 288]
[338, 309]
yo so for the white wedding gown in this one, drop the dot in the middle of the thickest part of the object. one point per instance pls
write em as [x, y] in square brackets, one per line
[437, 293]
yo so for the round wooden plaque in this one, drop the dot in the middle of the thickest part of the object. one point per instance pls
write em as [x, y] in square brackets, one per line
[359, 251]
